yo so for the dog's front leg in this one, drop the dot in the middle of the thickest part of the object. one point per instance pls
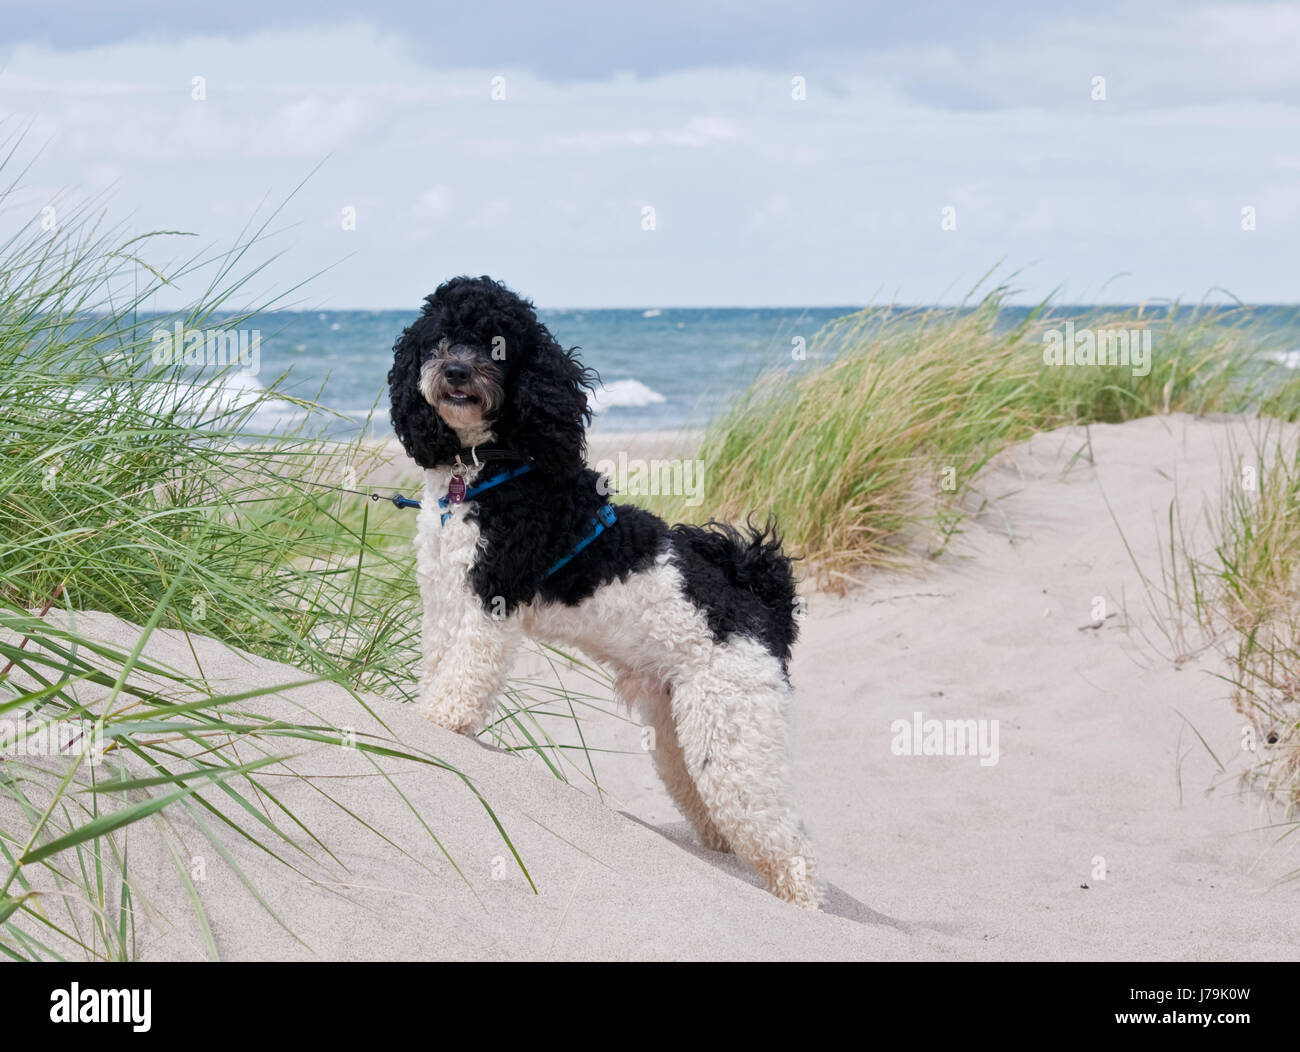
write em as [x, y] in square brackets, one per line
[466, 647]
[464, 667]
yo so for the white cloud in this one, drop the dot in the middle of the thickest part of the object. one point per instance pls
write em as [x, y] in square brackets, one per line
[760, 198]
[1150, 58]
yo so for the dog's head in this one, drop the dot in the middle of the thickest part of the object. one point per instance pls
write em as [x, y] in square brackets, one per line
[477, 367]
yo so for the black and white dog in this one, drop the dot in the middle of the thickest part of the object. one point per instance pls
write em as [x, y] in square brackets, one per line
[517, 536]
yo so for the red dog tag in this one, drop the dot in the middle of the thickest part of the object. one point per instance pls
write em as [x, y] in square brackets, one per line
[456, 489]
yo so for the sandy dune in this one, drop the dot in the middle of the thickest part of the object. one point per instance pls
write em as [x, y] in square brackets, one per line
[929, 856]
[1096, 758]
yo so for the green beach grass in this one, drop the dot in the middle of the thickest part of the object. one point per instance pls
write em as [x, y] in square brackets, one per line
[880, 434]
[133, 487]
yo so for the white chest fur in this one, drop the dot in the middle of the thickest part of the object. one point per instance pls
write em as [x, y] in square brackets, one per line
[445, 553]
[465, 652]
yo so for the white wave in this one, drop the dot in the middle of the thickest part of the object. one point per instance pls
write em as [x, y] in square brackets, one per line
[236, 390]
[214, 398]
[653, 312]
[208, 399]
[233, 390]
[220, 399]
[625, 393]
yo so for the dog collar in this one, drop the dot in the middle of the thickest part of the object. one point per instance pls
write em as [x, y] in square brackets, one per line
[459, 494]
[477, 453]
[600, 522]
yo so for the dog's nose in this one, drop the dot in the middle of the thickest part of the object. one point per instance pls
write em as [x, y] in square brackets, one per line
[456, 373]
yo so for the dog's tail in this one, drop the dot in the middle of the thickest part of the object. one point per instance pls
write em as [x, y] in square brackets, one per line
[752, 562]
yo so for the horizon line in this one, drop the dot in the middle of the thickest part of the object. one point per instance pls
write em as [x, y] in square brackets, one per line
[1150, 303]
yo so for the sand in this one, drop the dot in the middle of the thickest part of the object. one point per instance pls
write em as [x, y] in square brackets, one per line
[929, 857]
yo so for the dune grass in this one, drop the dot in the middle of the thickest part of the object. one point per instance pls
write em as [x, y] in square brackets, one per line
[145, 489]
[1237, 596]
[880, 434]
[1256, 575]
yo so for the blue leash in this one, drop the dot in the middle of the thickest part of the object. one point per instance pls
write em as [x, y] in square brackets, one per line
[604, 519]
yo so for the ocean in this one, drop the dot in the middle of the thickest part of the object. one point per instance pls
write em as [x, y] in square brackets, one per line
[661, 369]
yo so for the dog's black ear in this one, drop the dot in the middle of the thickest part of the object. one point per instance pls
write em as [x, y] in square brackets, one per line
[547, 412]
[424, 436]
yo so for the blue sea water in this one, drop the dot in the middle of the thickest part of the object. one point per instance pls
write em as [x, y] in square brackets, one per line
[660, 369]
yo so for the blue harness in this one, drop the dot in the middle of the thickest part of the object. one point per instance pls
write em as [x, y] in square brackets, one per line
[603, 520]
[474, 491]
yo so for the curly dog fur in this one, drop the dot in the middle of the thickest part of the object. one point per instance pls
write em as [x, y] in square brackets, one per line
[696, 623]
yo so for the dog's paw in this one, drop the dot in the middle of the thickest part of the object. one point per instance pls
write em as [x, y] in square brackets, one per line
[450, 719]
[797, 884]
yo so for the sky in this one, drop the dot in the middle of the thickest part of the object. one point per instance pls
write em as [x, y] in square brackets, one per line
[673, 154]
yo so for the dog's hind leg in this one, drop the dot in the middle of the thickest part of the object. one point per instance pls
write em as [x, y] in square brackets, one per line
[733, 720]
[649, 697]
